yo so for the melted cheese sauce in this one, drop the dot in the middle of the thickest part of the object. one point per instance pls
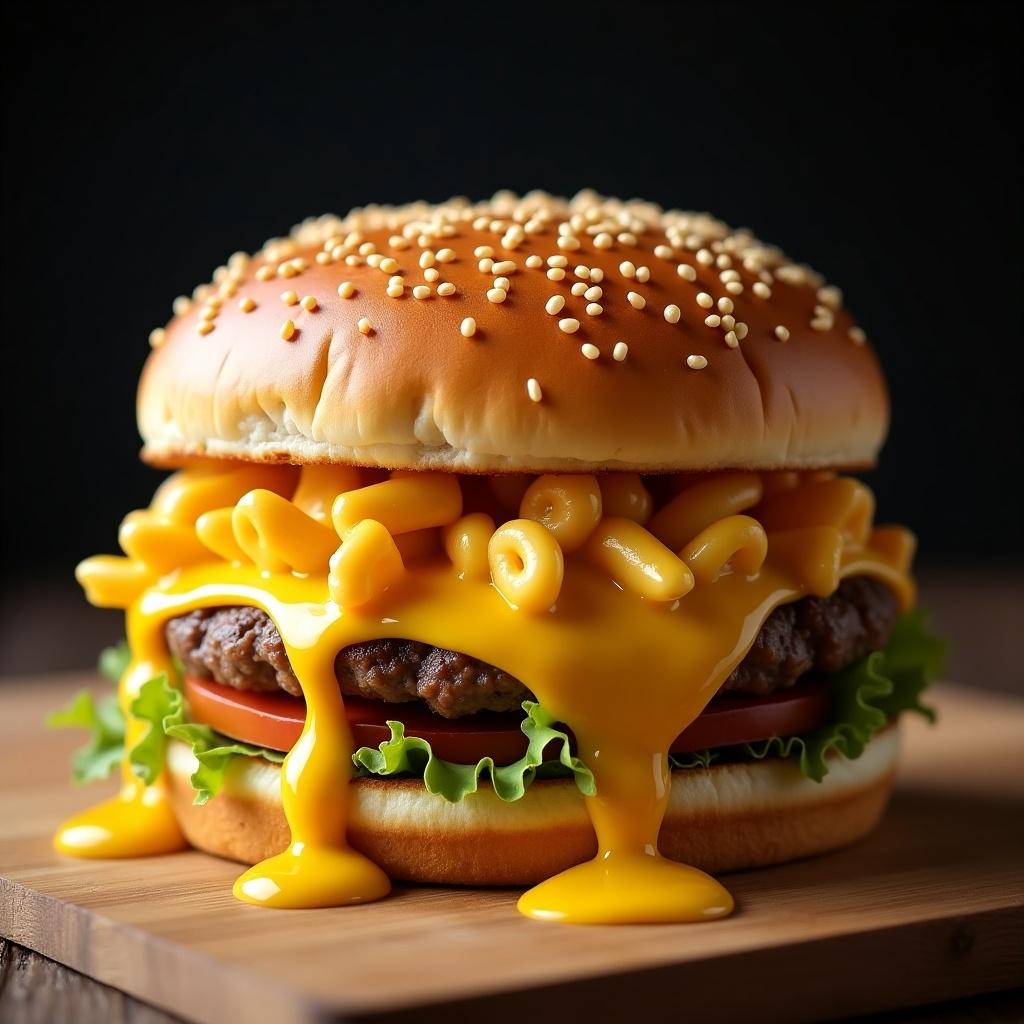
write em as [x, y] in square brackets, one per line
[620, 636]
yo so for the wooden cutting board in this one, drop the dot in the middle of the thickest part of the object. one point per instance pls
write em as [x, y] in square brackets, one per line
[929, 908]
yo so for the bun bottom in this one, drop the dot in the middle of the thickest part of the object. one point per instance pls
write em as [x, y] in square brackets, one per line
[719, 819]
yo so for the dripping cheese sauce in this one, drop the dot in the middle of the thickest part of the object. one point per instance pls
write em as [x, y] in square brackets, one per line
[623, 619]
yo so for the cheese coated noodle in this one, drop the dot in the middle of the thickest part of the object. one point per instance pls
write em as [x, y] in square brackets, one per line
[367, 564]
[189, 493]
[110, 581]
[638, 561]
[838, 501]
[216, 532]
[736, 541]
[895, 542]
[569, 505]
[815, 552]
[161, 544]
[526, 564]
[624, 495]
[279, 537]
[401, 504]
[320, 485]
[699, 506]
[465, 543]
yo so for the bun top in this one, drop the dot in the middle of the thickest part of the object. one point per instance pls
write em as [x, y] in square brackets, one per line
[528, 334]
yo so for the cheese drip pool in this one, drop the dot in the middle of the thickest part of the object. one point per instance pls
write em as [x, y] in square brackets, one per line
[524, 573]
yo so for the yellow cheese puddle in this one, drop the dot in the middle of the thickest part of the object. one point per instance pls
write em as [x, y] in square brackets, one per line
[626, 672]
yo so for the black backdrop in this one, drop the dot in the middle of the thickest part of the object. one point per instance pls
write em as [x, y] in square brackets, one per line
[874, 141]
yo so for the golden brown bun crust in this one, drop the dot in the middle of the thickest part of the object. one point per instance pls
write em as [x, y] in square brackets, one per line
[719, 819]
[414, 393]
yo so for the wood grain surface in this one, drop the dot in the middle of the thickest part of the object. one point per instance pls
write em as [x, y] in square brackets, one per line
[929, 908]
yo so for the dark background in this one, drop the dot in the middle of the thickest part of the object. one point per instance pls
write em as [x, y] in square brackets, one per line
[876, 142]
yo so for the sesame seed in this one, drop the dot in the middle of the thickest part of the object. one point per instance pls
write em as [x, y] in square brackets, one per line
[445, 255]
[686, 272]
[643, 274]
[673, 313]
[323, 258]
[468, 327]
[556, 274]
[485, 265]
[568, 242]
[496, 295]
[712, 320]
[389, 264]
[482, 251]
[857, 336]
[504, 267]
[533, 390]
[731, 339]
[395, 291]
[247, 305]
[431, 274]
[725, 305]
[502, 283]
[421, 291]
[533, 262]
[594, 309]
[603, 240]
[590, 351]
[626, 269]
[204, 326]
[399, 242]
[364, 326]
[309, 303]
[741, 330]
[761, 290]
[696, 362]
[728, 321]
[723, 261]
[446, 288]
[265, 273]
[181, 305]
[596, 275]
[582, 271]
[635, 300]
[555, 304]
[557, 261]
[346, 289]
[830, 296]
[663, 252]
[704, 300]
[704, 257]
[157, 337]
[593, 293]
[569, 325]
[627, 238]
[426, 259]
[366, 248]
[288, 330]
[782, 333]
[579, 288]
[620, 352]
[734, 287]
[287, 270]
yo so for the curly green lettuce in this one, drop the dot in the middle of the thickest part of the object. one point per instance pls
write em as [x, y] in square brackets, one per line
[867, 696]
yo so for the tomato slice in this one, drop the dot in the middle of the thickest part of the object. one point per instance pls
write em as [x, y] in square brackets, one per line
[274, 720]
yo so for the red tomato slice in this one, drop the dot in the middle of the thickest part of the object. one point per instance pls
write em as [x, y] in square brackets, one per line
[274, 720]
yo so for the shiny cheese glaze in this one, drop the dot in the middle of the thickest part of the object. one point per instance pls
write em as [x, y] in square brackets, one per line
[620, 636]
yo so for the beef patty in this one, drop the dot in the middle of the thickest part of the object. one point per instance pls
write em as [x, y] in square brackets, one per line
[241, 647]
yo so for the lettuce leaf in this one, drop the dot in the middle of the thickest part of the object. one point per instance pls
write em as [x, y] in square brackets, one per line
[103, 751]
[866, 696]
[163, 707]
[403, 754]
[114, 661]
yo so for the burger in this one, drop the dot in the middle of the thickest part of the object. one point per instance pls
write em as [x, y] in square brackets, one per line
[507, 543]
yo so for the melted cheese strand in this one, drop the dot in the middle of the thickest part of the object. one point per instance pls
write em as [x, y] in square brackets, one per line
[627, 664]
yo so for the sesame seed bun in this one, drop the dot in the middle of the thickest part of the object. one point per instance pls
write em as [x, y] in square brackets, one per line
[601, 335]
[720, 819]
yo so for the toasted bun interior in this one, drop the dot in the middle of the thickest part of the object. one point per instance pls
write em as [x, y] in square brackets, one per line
[522, 334]
[722, 818]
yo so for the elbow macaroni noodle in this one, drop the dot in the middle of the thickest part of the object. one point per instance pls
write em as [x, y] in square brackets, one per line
[328, 521]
